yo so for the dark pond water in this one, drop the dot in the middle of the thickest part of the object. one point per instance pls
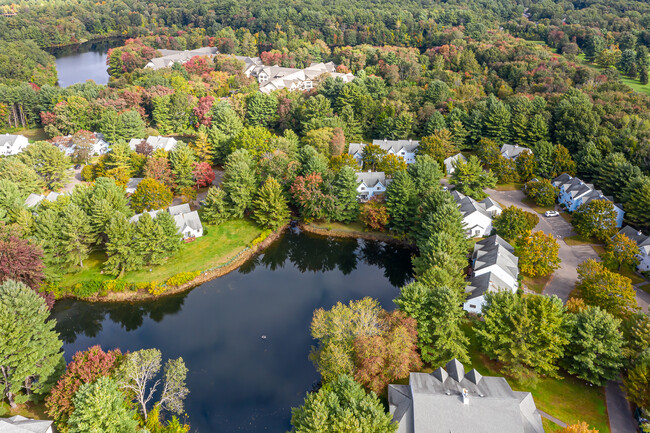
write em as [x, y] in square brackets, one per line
[239, 381]
[79, 63]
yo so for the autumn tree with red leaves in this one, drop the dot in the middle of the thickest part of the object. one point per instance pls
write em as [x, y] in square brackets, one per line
[85, 367]
[311, 200]
[382, 358]
[203, 174]
[159, 169]
[20, 260]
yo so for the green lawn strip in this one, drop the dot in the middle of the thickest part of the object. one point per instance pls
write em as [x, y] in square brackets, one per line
[28, 410]
[539, 209]
[579, 240]
[217, 246]
[537, 284]
[550, 426]
[33, 134]
[568, 399]
[353, 227]
[645, 287]
[513, 186]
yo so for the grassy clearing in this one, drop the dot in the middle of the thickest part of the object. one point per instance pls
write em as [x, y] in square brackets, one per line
[353, 227]
[513, 186]
[28, 410]
[537, 284]
[645, 287]
[568, 399]
[216, 247]
[32, 134]
[539, 209]
[550, 426]
[578, 240]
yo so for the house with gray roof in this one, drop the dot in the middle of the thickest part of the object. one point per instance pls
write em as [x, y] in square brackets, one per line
[11, 144]
[513, 151]
[405, 149]
[132, 184]
[574, 193]
[156, 142]
[643, 242]
[370, 184]
[66, 144]
[450, 163]
[169, 57]
[179, 209]
[494, 268]
[477, 215]
[271, 78]
[152, 213]
[34, 200]
[189, 224]
[20, 424]
[451, 400]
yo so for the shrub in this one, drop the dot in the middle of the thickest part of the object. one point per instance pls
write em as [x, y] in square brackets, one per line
[87, 288]
[155, 288]
[182, 278]
[115, 285]
[88, 173]
[265, 234]
[141, 286]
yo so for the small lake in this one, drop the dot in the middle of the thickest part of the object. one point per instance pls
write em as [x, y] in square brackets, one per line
[239, 381]
[79, 63]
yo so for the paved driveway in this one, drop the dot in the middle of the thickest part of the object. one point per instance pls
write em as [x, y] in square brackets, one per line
[564, 279]
[621, 419]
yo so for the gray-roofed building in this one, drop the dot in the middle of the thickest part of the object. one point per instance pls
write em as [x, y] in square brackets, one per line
[11, 144]
[370, 184]
[405, 149]
[156, 142]
[450, 163]
[20, 424]
[132, 184]
[512, 151]
[135, 218]
[179, 209]
[477, 216]
[574, 193]
[169, 57]
[450, 400]
[34, 200]
[643, 242]
[189, 224]
[276, 77]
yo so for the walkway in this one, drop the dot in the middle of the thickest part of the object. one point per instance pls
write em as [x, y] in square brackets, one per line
[552, 418]
[621, 419]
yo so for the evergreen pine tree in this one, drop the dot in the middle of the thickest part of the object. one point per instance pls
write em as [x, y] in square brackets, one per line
[122, 256]
[149, 240]
[401, 202]
[76, 235]
[345, 190]
[270, 209]
[213, 210]
[238, 182]
[182, 160]
[172, 242]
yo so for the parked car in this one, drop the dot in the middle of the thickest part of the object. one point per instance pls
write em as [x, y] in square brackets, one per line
[641, 419]
[551, 213]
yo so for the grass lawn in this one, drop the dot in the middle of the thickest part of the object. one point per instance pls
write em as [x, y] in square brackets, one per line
[33, 134]
[537, 284]
[645, 287]
[568, 399]
[550, 426]
[539, 209]
[513, 186]
[355, 226]
[217, 246]
[578, 240]
[28, 410]
[567, 216]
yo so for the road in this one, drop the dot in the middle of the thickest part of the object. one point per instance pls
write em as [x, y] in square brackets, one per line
[621, 419]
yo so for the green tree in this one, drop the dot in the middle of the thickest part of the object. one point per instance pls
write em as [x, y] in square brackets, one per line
[49, 162]
[439, 315]
[538, 254]
[120, 249]
[596, 218]
[636, 197]
[526, 166]
[238, 182]
[16, 171]
[562, 162]
[30, 353]
[150, 195]
[172, 238]
[182, 160]
[100, 407]
[470, 178]
[371, 156]
[401, 202]
[575, 120]
[213, 209]
[426, 174]
[149, 240]
[514, 222]
[497, 121]
[76, 235]
[524, 332]
[341, 406]
[637, 381]
[261, 109]
[603, 288]
[345, 191]
[438, 146]
[270, 209]
[594, 353]
[542, 192]
[621, 250]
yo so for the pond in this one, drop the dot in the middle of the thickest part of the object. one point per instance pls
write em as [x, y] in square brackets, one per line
[79, 63]
[245, 336]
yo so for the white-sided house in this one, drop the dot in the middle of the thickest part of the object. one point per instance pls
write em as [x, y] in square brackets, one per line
[450, 163]
[512, 151]
[20, 424]
[370, 184]
[12, 144]
[574, 193]
[169, 57]
[271, 78]
[189, 224]
[643, 242]
[495, 255]
[67, 146]
[495, 268]
[135, 218]
[477, 216]
[405, 149]
[156, 142]
[34, 200]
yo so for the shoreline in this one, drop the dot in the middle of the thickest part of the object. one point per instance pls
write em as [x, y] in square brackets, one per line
[237, 261]
[204, 277]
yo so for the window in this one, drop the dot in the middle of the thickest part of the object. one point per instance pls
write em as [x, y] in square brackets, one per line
[472, 306]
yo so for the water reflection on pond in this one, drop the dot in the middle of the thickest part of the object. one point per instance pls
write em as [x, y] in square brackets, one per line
[239, 381]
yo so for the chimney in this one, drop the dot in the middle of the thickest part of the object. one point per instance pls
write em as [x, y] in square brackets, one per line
[639, 233]
[385, 140]
[465, 396]
[410, 140]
